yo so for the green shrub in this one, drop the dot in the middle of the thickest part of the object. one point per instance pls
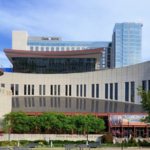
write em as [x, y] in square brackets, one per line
[107, 138]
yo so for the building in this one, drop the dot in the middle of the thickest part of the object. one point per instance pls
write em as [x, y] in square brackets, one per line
[48, 75]
[127, 44]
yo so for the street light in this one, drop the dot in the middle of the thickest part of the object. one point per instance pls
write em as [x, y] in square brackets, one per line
[128, 129]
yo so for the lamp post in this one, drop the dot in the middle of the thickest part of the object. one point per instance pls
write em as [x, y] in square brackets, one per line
[87, 136]
[128, 129]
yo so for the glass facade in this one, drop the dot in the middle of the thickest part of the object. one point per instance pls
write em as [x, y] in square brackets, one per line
[127, 43]
[53, 65]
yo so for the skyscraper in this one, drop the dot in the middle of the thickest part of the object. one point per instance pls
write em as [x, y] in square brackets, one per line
[126, 44]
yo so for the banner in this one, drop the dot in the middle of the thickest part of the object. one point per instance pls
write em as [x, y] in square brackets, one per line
[133, 119]
[115, 120]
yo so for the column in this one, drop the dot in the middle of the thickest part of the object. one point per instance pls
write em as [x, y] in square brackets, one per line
[60, 131]
[72, 131]
[134, 132]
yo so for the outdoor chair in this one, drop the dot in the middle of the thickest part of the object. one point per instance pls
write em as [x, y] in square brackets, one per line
[70, 147]
[82, 146]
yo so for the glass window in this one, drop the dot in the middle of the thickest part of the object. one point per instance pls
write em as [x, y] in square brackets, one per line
[25, 89]
[47, 48]
[69, 90]
[77, 104]
[17, 89]
[66, 90]
[127, 91]
[42, 48]
[81, 104]
[36, 48]
[80, 90]
[29, 101]
[40, 89]
[66, 103]
[111, 90]
[58, 102]
[33, 104]
[144, 85]
[28, 89]
[32, 89]
[12, 89]
[52, 49]
[84, 90]
[67, 48]
[3, 85]
[58, 89]
[84, 104]
[106, 91]
[31, 48]
[44, 102]
[43, 89]
[55, 89]
[116, 91]
[69, 102]
[78, 48]
[51, 89]
[93, 90]
[51, 102]
[83, 48]
[149, 85]
[57, 48]
[72, 48]
[97, 90]
[62, 48]
[40, 102]
[132, 91]
[55, 102]
[25, 102]
[77, 90]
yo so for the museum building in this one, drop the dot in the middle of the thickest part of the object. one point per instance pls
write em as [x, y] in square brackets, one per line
[69, 81]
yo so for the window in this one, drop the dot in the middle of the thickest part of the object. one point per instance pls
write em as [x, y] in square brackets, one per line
[84, 104]
[58, 102]
[144, 85]
[33, 104]
[3, 85]
[58, 89]
[78, 48]
[25, 102]
[31, 48]
[77, 104]
[116, 91]
[84, 90]
[77, 90]
[67, 48]
[92, 105]
[62, 48]
[32, 89]
[72, 48]
[44, 102]
[25, 88]
[12, 89]
[57, 48]
[51, 89]
[36, 48]
[13, 103]
[69, 102]
[47, 48]
[66, 103]
[97, 90]
[28, 89]
[40, 89]
[106, 91]
[93, 90]
[149, 85]
[80, 90]
[43, 89]
[111, 90]
[132, 91]
[16, 89]
[17, 102]
[69, 90]
[81, 104]
[52, 49]
[29, 102]
[51, 102]
[42, 48]
[40, 102]
[55, 100]
[55, 89]
[127, 91]
[66, 90]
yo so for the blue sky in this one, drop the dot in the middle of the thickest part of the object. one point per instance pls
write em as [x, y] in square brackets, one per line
[73, 20]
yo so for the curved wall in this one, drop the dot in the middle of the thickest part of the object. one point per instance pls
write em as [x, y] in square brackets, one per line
[135, 73]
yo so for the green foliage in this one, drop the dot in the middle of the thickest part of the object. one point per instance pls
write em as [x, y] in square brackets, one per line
[107, 138]
[21, 122]
[145, 95]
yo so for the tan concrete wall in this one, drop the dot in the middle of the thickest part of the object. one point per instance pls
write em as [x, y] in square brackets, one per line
[135, 73]
[5, 102]
[69, 137]
[19, 40]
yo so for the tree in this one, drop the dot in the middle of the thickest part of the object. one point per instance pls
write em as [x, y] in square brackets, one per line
[145, 95]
